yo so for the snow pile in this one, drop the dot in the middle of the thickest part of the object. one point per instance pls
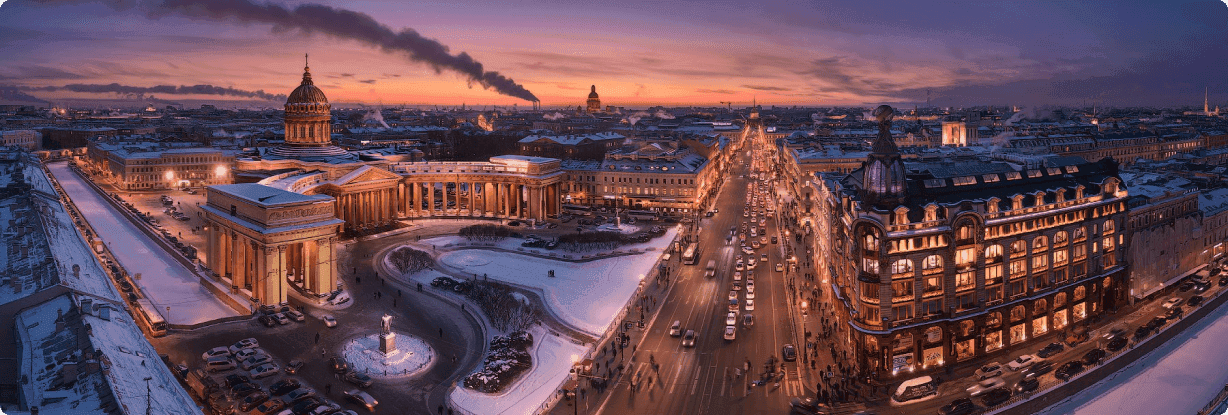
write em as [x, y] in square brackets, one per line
[163, 279]
[552, 360]
[412, 356]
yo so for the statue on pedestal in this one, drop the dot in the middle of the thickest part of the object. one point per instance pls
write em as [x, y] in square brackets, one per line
[387, 339]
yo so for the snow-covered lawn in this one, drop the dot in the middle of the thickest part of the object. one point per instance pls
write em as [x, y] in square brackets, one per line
[163, 280]
[412, 357]
[1179, 377]
[552, 360]
[585, 295]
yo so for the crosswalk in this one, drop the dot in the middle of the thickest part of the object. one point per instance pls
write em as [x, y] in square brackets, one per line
[679, 375]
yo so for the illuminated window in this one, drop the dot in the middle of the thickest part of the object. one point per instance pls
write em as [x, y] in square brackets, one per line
[1013, 175]
[990, 178]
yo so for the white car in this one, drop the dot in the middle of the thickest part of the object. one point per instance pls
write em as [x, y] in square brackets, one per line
[737, 276]
[1022, 362]
[731, 318]
[1173, 302]
[731, 332]
[265, 370]
[750, 294]
[750, 285]
[750, 305]
[986, 385]
[329, 321]
[216, 351]
[247, 343]
[246, 353]
[733, 295]
[340, 299]
[739, 266]
[989, 370]
[780, 267]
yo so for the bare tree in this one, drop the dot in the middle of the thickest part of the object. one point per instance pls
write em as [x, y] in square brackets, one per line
[408, 260]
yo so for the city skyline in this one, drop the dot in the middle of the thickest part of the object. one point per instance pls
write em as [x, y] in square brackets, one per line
[637, 55]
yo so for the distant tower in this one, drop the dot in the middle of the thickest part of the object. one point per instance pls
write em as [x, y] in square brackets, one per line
[594, 103]
[1206, 107]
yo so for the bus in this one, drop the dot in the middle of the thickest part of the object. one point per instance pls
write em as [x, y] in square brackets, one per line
[150, 316]
[690, 255]
[642, 214]
[577, 210]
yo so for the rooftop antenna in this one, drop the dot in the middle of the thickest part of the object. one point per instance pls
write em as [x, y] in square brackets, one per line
[1206, 108]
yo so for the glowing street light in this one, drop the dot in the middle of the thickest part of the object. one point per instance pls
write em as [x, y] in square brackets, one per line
[219, 171]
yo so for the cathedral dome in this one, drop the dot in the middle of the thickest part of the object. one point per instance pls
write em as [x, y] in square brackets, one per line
[593, 93]
[307, 93]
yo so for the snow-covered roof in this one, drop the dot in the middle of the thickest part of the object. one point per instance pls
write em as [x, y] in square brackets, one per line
[1212, 201]
[530, 159]
[572, 139]
[264, 195]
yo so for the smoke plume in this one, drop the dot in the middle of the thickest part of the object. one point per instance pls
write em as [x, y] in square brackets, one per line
[139, 92]
[12, 93]
[340, 23]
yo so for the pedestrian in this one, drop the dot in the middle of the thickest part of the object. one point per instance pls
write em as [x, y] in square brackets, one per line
[328, 388]
[441, 332]
[462, 307]
[394, 303]
[440, 409]
[317, 337]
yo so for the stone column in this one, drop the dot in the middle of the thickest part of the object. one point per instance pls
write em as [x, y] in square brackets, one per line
[325, 264]
[416, 205]
[487, 199]
[281, 270]
[240, 277]
[232, 259]
[535, 211]
[311, 254]
[430, 199]
[473, 198]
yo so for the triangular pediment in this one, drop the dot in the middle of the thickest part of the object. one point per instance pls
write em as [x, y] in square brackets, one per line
[366, 174]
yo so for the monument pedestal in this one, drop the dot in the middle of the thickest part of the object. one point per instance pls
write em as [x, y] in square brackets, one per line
[388, 343]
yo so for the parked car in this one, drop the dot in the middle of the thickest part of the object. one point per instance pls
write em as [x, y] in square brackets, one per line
[293, 367]
[236, 379]
[1173, 302]
[1021, 362]
[1174, 313]
[1142, 331]
[267, 320]
[731, 318]
[1050, 350]
[1117, 343]
[362, 399]
[256, 360]
[250, 401]
[284, 386]
[244, 389]
[358, 379]
[265, 370]
[1093, 356]
[296, 315]
[300, 394]
[1195, 301]
[1028, 384]
[219, 364]
[989, 370]
[271, 406]
[1068, 370]
[247, 343]
[214, 352]
[247, 353]
[961, 406]
[338, 364]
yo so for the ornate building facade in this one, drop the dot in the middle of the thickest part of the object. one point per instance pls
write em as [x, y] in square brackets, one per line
[594, 103]
[932, 264]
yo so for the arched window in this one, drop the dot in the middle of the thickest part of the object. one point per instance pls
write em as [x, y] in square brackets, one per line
[870, 242]
[1017, 313]
[993, 319]
[1059, 300]
[932, 263]
[1040, 243]
[1060, 238]
[1018, 248]
[1079, 233]
[1040, 307]
[993, 251]
[1079, 293]
[903, 266]
[965, 232]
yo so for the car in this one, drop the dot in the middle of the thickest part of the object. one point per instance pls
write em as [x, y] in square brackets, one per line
[733, 304]
[995, 397]
[750, 285]
[737, 276]
[236, 379]
[1173, 302]
[774, 239]
[1068, 370]
[214, 352]
[1028, 384]
[296, 315]
[219, 364]
[751, 263]
[748, 320]
[362, 399]
[1202, 287]
[1142, 331]
[293, 367]
[1195, 301]
[265, 370]
[300, 394]
[342, 298]
[244, 389]
[247, 343]
[284, 386]
[247, 353]
[251, 401]
[739, 266]
[1117, 343]
[1174, 313]
[1050, 350]
[688, 339]
[1021, 362]
[989, 370]
[267, 320]
[986, 385]
[755, 245]
[1157, 322]
[750, 294]
[731, 318]
[788, 352]
[338, 364]
[961, 406]
[1223, 281]
[329, 321]
[763, 240]
[780, 267]
[305, 406]
[731, 331]
[1093, 356]
[271, 406]
[675, 329]
[750, 305]
[733, 295]
[358, 379]
[807, 406]
[256, 360]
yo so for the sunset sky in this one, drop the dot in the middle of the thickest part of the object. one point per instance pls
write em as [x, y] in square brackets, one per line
[641, 53]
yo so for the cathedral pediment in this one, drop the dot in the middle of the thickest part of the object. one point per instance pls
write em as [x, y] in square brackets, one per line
[366, 174]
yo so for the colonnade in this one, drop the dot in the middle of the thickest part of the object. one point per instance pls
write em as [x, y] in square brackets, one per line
[367, 209]
[266, 269]
[483, 199]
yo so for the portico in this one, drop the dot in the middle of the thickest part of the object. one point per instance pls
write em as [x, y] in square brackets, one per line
[518, 187]
[263, 239]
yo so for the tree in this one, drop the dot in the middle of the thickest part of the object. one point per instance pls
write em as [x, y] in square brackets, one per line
[408, 260]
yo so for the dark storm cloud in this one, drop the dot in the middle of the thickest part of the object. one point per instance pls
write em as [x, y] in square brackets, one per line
[368, 81]
[340, 23]
[138, 91]
[10, 93]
